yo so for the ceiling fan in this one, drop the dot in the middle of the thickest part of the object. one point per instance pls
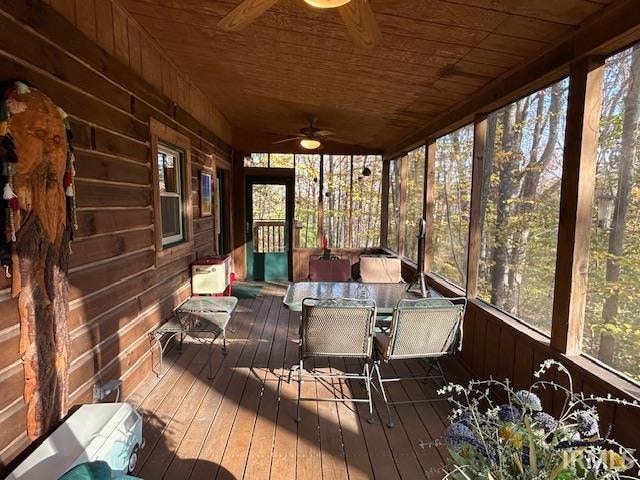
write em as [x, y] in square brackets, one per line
[356, 15]
[311, 137]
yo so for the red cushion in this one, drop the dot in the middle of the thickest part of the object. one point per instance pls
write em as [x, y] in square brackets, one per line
[329, 270]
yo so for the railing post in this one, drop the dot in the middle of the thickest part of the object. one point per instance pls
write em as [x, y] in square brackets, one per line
[296, 234]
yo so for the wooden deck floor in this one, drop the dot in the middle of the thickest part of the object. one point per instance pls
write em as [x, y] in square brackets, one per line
[240, 424]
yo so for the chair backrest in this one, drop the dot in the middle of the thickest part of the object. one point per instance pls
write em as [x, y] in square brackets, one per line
[330, 270]
[340, 327]
[430, 327]
[380, 269]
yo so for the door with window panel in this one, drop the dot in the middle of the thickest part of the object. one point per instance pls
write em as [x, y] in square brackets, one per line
[269, 215]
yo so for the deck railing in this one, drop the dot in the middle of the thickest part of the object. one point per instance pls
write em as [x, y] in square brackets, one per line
[269, 236]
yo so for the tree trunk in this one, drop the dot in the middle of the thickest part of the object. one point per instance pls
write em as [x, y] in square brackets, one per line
[515, 159]
[372, 210]
[506, 187]
[626, 155]
[394, 194]
[489, 152]
[455, 154]
[538, 162]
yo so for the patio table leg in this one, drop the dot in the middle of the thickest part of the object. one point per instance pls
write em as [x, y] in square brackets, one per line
[300, 367]
[224, 341]
[209, 359]
[157, 339]
[157, 336]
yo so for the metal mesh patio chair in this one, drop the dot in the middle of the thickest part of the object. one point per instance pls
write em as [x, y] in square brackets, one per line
[427, 329]
[336, 328]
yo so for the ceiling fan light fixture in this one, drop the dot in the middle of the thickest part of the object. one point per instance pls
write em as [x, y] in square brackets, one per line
[327, 3]
[310, 144]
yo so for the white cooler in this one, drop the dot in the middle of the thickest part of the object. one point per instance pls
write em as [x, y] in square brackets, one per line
[210, 275]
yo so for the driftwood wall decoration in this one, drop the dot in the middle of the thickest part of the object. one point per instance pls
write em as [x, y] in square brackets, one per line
[37, 173]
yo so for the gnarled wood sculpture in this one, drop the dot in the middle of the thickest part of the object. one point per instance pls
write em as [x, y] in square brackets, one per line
[38, 166]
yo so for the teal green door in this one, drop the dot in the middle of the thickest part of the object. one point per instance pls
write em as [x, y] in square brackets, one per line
[268, 229]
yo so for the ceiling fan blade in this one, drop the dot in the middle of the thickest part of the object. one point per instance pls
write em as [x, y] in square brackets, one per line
[361, 23]
[341, 140]
[286, 140]
[245, 13]
[323, 133]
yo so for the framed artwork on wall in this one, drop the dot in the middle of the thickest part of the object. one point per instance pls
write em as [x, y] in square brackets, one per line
[206, 206]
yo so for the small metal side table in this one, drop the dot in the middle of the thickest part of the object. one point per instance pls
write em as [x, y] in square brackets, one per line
[202, 318]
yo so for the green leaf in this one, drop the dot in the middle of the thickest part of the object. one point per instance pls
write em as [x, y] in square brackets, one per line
[565, 475]
[457, 458]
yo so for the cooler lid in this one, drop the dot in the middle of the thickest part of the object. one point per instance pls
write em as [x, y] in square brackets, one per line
[211, 260]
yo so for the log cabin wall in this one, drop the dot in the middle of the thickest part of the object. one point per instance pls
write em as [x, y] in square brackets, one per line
[109, 25]
[110, 91]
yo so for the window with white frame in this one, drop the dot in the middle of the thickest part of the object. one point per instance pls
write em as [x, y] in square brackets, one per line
[170, 165]
[172, 209]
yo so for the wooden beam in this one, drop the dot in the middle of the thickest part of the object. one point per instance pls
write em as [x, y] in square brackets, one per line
[429, 202]
[475, 214]
[384, 205]
[576, 204]
[617, 26]
[404, 177]
[225, 220]
[238, 201]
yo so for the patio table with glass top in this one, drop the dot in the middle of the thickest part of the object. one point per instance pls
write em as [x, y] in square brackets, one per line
[202, 318]
[386, 295]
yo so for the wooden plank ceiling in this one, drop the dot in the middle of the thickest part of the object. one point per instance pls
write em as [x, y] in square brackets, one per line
[295, 60]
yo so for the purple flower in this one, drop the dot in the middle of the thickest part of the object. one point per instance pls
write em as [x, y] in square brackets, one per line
[545, 421]
[528, 400]
[458, 434]
[587, 424]
[509, 413]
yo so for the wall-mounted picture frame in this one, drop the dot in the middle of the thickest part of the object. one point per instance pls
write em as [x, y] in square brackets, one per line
[206, 194]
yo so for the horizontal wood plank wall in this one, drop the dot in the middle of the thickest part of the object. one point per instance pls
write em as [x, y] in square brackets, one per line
[496, 345]
[117, 295]
[109, 25]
